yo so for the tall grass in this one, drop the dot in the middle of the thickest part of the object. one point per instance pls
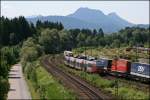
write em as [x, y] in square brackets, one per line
[124, 91]
[50, 88]
[46, 86]
[111, 52]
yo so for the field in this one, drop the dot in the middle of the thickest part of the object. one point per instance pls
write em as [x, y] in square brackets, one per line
[111, 53]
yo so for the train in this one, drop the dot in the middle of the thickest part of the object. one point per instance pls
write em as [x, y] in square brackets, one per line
[118, 67]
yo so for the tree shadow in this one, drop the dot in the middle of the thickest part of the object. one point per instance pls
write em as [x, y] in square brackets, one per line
[12, 74]
[12, 70]
[12, 89]
[14, 77]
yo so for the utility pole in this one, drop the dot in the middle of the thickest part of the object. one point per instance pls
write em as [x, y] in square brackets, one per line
[85, 59]
[116, 80]
[91, 51]
[136, 51]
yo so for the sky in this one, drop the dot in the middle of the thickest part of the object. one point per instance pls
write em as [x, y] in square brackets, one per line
[136, 12]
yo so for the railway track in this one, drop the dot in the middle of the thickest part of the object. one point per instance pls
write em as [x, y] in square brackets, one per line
[132, 83]
[82, 88]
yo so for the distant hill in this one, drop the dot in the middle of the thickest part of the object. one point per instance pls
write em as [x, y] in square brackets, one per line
[143, 25]
[88, 18]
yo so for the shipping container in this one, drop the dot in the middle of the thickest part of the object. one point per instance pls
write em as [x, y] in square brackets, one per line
[79, 63]
[121, 66]
[104, 64]
[72, 61]
[91, 66]
[66, 60]
[140, 69]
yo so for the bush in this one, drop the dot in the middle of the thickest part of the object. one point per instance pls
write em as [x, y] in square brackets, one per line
[129, 93]
[50, 88]
[4, 88]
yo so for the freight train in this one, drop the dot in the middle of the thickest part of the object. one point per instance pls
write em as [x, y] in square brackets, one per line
[119, 67]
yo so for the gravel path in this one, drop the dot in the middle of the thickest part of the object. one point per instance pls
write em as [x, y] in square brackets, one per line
[18, 86]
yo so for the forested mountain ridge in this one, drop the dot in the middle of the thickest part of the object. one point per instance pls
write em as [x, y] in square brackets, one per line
[88, 18]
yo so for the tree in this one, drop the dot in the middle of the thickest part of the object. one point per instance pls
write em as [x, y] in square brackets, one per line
[4, 88]
[81, 39]
[116, 43]
[89, 41]
[50, 40]
[94, 32]
[100, 32]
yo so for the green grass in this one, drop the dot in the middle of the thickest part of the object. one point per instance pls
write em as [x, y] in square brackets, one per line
[124, 90]
[34, 94]
[47, 87]
[51, 88]
[111, 52]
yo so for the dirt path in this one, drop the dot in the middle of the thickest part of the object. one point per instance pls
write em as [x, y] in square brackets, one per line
[18, 86]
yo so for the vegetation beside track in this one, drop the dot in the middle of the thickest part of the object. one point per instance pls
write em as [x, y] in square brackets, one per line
[42, 84]
[110, 53]
[34, 94]
[47, 87]
[125, 91]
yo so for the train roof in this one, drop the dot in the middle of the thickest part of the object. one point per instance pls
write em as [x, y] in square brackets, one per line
[68, 51]
[141, 63]
[104, 58]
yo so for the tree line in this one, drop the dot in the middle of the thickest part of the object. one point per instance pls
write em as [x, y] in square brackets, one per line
[9, 56]
[53, 40]
[16, 30]
[13, 33]
[23, 41]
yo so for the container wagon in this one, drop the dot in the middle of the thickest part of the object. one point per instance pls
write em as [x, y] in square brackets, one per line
[140, 71]
[91, 66]
[79, 63]
[104, 65]
[120, 67]
[72, 61]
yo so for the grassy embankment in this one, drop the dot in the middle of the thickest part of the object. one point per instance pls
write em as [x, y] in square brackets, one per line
[50, 87]
[124, 90]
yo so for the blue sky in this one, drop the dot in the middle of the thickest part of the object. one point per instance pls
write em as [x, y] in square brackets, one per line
[133, 11]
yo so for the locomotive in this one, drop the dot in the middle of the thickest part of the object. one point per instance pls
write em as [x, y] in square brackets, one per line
[119, 67]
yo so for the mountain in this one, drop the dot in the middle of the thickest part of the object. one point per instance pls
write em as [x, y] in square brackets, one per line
[68, 22]
[143, 25]
[88, 18]
[120, 21]
[33, 16]
[87, 15]
[109, 23]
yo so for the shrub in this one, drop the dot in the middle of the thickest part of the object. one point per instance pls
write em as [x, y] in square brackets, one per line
[4, 88]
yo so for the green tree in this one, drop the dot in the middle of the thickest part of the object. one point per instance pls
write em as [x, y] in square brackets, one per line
[50, 40]
[81, 39]
[100, 32]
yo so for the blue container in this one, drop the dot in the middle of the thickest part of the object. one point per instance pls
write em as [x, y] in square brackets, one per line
[140, 69]
[103, 63]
